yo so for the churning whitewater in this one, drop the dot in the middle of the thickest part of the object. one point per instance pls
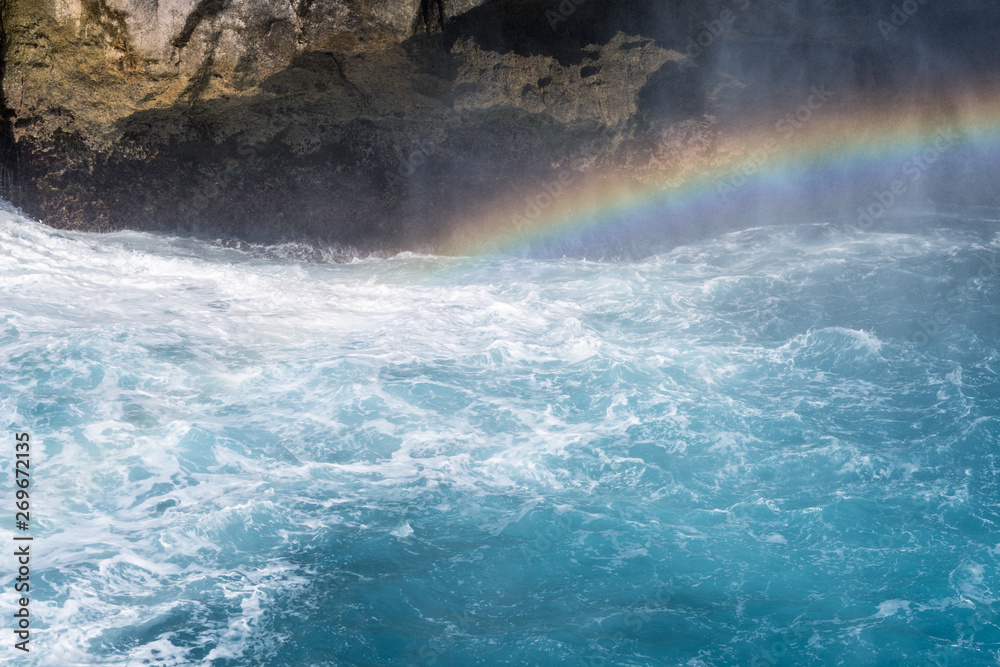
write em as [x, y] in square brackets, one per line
[776, 446]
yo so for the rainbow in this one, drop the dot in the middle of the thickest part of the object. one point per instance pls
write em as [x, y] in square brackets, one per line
[881, 151]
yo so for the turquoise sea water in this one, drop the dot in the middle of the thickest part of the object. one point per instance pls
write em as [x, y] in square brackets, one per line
[775, 446]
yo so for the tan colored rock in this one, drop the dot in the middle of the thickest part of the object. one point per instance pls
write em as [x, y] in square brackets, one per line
[603, 89]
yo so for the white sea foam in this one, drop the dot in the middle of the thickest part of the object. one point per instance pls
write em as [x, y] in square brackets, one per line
[243, 443]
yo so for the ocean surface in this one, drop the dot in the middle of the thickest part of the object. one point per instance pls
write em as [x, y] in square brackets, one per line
[775, 446]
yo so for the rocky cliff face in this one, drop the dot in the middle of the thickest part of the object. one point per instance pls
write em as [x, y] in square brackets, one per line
[388, 121]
